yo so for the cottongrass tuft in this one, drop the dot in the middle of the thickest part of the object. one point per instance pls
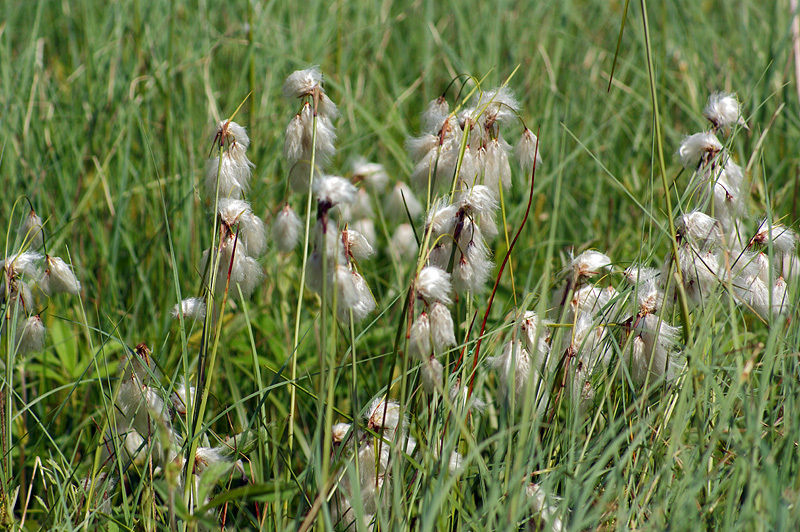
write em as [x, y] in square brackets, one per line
[192, 308]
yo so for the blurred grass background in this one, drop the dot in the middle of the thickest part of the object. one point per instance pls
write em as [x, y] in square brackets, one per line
[107, 109]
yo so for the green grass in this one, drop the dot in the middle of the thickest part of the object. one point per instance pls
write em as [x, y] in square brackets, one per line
[107, 111]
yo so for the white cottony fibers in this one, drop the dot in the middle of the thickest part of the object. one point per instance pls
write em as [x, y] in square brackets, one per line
[58, 278]
[590, 263]
[234, 173]
[193, 308]
[31, 334]
[294, 143]
[780, 303]
[496, 167]
[698, 147]
[244, 271]
[659, 339]
[534, 337]
[753, 293]
[442, 328]
[402, 204]
[419, 337]
[356, 245]
[384, 415]
[724, 111]
[366, 227]
[433, 284]
[361, 207]
[636, 273]
[302, 82]
[179, 396]
[441, 218]
[439, 255]
[324, 141]
[542, 509]
[514, 368]
[423, 149]
[252, 233]
[339, 432]
[353, 295]
[477, 200]
[699, 229]
[590, 299]
[334, 190]
[286, 229]
[650, 297]
[231, 133]
[784, 240]
[373, 174]
[435, 114]
[431, 372]
[528, 151]
[472, 267]
[404, 243]
[31, 230]
[25, 263]
[500, 105]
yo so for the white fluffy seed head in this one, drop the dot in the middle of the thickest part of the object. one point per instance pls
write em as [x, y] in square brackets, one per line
[419, 337]
[442, 327]
[404, 243]
[441, 218]
[22, 264]
[636, 273]
[780, 302]
[650, 297]
[58, 278]
[401, 204]
[472, 266]
[356, 245]
[500, 105]
[192, 308]
[724, 111]
[302, 83]
[339, 432]
[31, 230]
[433, 284]
[373, 174]
[294, 143]
[528, 150]
[234, 174]
[699, 229]
[590, 263]
[385, 415]
[784, 240]
[435, 114]
[230, 133]
[179, 396]
[431, 372]
[514, 368]
[252, 233]
[697, 147]
[334, 190]
[286, 229]
[31, 334]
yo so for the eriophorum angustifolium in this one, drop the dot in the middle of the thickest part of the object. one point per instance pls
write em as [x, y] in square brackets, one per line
[400, 266]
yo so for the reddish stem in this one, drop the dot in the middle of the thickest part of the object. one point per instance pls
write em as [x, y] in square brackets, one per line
[500, 273]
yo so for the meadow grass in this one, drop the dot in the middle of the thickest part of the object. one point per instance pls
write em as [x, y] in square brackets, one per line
[107, 112]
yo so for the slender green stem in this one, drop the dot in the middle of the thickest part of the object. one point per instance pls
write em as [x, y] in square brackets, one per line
[662, 167]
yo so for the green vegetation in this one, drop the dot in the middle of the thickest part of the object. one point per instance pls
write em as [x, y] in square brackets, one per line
[107, 114]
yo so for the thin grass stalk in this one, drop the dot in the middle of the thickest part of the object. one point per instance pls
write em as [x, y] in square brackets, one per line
[296, 340]
[662, 167]
[212, 264]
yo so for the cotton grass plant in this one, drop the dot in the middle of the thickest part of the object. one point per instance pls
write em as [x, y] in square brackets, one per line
[382, 294]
